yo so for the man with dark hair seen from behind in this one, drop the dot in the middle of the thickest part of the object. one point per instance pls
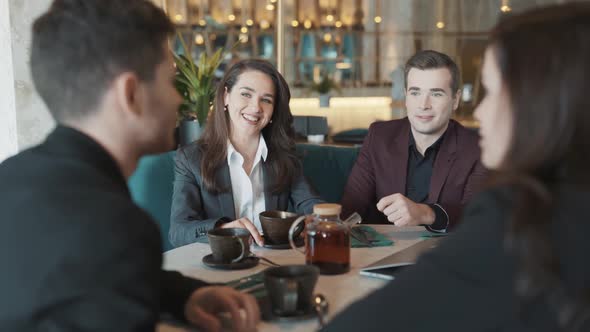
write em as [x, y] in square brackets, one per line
[420, 170]
[78, 254]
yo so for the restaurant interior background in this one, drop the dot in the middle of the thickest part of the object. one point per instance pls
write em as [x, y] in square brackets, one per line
[361, 44]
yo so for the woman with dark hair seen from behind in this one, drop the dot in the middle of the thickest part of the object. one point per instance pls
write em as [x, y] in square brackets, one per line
[245, 162]
[518, 261]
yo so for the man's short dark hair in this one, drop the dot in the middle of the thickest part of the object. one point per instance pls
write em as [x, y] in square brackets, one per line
[80, 46]
[429, 59]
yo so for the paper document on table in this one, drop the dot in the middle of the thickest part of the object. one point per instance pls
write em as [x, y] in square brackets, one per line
[387, 267]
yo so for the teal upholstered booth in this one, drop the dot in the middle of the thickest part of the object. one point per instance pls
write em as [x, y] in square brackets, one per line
[151, 188]
[326, 167]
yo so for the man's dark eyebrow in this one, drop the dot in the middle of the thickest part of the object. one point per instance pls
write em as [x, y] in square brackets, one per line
[252, 90]
[414, 88]
[438, 90]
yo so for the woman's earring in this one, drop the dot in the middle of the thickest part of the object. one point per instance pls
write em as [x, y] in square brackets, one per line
[270, 121]
[225, 108]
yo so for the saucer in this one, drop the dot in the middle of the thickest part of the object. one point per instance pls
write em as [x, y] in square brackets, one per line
[300, 315]
[246, 263]
[268, 315]
[298, 242]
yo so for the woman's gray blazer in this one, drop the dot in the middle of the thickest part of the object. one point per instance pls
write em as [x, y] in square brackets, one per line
[195, 210]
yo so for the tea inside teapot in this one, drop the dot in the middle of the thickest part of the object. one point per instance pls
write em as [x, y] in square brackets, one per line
[327, 240]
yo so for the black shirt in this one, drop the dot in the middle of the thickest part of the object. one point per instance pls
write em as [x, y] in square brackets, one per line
[418, 177]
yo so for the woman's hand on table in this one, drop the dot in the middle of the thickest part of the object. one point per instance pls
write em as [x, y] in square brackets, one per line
[204, 306]
[247, 224]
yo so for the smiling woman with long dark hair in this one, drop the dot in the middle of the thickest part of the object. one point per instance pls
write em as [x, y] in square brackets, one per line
[518, 262]
[245, 163]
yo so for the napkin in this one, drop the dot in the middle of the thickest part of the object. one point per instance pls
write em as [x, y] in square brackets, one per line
[427, 235]
[377, 239]
[249, 282]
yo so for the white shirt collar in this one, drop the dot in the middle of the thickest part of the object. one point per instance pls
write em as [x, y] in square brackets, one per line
[261, 152]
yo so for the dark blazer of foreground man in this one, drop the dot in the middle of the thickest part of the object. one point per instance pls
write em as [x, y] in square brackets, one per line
[78, 254]
[76, 244]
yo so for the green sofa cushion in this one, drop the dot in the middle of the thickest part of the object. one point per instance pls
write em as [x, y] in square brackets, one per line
[151, 188]
[327, 168]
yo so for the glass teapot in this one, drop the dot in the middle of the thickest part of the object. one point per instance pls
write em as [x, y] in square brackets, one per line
[327, 239]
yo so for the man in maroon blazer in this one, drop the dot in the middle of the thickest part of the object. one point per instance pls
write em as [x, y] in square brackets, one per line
[420, 170]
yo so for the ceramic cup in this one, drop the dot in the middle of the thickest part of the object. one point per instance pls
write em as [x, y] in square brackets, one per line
[290, 288]
[275, 226]
[229, 245]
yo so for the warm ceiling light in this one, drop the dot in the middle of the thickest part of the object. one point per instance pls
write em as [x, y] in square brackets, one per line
[199, 39]
[243, 38]
[505, 9]
[338, 24]
[327, 37]
[440, 24]
[294, 23]
[273, 1]
[378, 19]
[178, 17]
[202, 22]
[231, 17]
[307, 24]
[330, 18]
[249, 22]
[264, 24]
[244, 30]
[270, 7]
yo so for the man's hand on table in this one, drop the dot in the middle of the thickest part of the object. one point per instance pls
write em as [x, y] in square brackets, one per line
[402, 211]
[205, 305]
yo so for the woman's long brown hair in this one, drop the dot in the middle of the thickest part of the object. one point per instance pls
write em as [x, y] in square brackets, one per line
[544, 60]
[279, 134]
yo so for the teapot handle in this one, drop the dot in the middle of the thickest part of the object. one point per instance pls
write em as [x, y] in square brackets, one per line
[293, 233]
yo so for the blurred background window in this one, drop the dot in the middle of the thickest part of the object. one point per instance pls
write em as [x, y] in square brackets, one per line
[362, 44]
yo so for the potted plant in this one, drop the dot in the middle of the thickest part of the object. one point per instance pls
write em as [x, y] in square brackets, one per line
[323, 87]
[196, 84]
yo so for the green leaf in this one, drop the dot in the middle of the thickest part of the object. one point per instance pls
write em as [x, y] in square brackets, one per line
[185, 49]
[195, 81]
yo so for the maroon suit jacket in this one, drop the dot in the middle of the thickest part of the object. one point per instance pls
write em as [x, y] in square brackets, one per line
[381, 170]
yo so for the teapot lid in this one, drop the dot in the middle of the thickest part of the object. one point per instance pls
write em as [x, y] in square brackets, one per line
[327, 209]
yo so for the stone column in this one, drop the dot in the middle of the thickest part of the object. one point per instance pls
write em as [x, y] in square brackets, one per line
[24, 119]
[8, 140]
